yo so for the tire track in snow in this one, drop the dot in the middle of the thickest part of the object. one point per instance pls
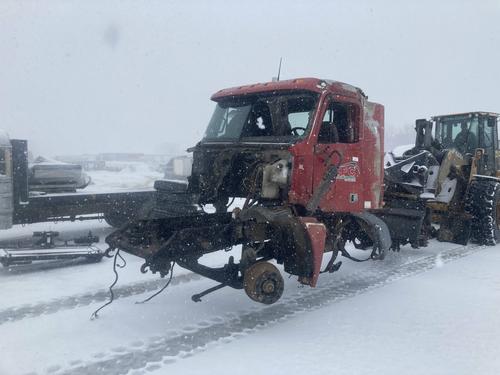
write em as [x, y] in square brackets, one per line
[160, 351]
[13, 314]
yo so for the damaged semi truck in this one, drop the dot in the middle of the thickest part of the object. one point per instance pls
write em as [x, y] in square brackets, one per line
[307, 157]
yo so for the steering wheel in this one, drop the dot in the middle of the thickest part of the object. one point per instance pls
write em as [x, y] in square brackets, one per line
[295, 132]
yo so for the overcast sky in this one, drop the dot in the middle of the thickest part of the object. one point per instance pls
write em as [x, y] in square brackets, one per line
[97, 76]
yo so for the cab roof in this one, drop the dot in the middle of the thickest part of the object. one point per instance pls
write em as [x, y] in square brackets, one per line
[305, 84]
[465, 114]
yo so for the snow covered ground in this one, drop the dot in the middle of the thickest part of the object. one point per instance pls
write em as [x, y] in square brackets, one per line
[132, 175]
[427, 311]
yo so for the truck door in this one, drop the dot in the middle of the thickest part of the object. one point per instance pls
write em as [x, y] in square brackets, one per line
[338, 143]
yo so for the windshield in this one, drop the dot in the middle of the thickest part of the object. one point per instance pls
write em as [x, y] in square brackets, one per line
[460, 133]
[266, 118]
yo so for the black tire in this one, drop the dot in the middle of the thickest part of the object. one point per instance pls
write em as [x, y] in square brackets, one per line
[483, 202]
[116, 220]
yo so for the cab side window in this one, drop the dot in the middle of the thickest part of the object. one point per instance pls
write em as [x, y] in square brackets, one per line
[338, 124]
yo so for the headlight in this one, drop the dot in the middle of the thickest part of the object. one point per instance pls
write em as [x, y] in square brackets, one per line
[274, 177]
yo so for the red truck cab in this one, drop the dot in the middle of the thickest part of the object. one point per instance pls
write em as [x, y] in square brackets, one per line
[319, 123]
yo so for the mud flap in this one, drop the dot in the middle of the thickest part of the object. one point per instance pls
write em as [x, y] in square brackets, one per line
[316, 232]
[379, 233]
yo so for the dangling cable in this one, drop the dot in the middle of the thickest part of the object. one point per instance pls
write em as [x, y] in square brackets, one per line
[112, 295]
[124, 262]
[162, 289]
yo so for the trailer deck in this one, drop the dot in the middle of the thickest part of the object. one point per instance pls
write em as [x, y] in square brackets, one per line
[77, 206]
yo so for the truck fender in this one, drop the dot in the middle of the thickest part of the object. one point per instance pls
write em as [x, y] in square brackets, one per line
[305, 240]
[378, 231]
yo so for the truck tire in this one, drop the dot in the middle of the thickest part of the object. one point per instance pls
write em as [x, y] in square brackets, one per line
[115, 219]
[483, 203]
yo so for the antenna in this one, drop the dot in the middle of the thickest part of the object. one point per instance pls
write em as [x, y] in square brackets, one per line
[276, 79]
[279, 70]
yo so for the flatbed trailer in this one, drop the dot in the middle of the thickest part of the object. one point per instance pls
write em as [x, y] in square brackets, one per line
[19, 205]
[116, 207]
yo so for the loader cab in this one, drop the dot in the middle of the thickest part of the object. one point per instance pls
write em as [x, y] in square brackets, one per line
[470, 131]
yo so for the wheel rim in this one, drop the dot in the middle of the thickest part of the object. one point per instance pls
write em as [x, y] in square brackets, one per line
[263, 283]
